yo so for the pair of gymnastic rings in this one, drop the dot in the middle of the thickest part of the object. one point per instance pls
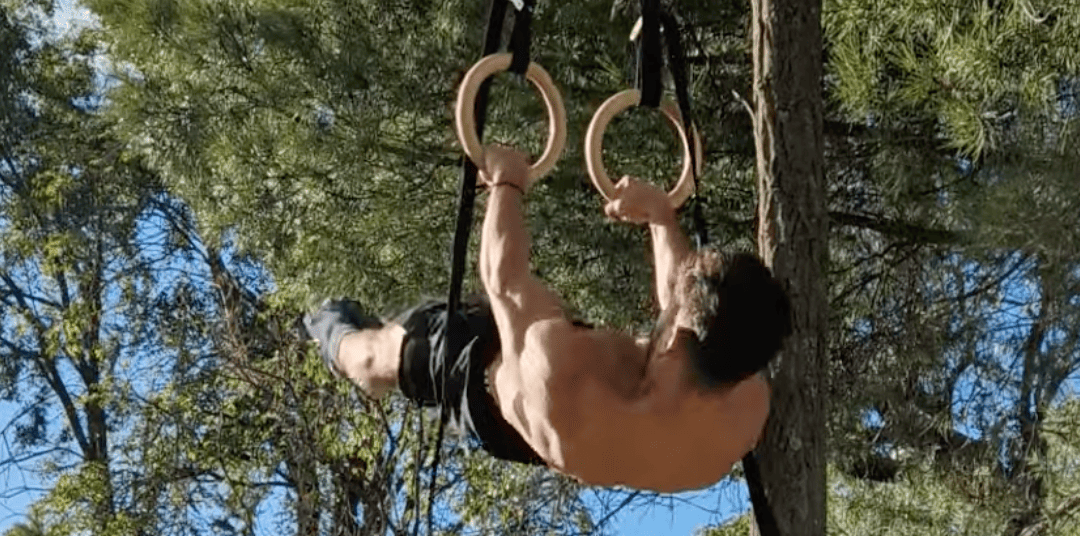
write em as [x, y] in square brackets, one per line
[465, 112]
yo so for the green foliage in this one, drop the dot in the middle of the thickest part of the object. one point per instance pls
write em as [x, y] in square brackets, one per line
[316, 137]
[917, 503]
[323, 148]
[1061, 470]
[739, 526]
[964, 70]
[923, 500]
[34, 527]
[325, 141]
[955, 302]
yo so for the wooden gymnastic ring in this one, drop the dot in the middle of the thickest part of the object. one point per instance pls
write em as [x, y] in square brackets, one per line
[465, 112]
[594, 140]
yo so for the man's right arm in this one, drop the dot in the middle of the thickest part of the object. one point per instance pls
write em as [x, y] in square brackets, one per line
[670, 249]
[639, 202]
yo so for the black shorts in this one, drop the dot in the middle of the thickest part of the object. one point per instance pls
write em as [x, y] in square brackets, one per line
[469, 405]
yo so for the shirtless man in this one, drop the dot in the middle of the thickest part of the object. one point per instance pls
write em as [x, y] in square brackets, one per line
[670, 412]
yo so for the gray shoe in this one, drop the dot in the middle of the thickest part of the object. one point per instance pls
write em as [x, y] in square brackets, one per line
[332, 322]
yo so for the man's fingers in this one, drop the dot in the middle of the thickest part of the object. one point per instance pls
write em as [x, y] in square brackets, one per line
[622, 211]
[612, 210]
[616, 210]
[622, 186]
[500, 158]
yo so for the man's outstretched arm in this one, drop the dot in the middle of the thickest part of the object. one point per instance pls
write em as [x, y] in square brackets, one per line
[640, 202]
[518, 298]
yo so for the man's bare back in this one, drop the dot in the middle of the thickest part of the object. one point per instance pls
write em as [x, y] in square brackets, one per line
[581, 420]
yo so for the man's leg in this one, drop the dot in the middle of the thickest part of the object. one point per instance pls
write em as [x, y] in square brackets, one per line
[371, 357]
[358, 346]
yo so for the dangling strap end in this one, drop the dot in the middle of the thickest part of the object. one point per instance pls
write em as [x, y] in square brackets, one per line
[650, 55]
[521, 38]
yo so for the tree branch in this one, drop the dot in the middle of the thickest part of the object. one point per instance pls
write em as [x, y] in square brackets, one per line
[48, 370]
[899, 229]
[1065, 508]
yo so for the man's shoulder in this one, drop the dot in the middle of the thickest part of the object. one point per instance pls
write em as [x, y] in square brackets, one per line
[746, 405]
[560, 335]
[753, 391]
[572, 348]
[750, 395]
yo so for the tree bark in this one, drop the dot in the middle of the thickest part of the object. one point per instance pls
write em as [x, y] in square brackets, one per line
[792, 239]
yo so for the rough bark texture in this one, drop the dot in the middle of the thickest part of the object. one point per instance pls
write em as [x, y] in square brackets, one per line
[792, 235]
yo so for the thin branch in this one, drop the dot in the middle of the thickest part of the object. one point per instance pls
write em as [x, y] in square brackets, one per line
[900, 229]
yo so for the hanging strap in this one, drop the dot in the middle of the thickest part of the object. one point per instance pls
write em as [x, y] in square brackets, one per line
[519, 46]
[677, 67]
[766, 522]
[650, 55]
[521, 38]
[763, 513]
[649, 82]
[655, 22]
[455, 322]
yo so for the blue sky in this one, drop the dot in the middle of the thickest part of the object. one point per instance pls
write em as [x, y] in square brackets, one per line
[13, 503]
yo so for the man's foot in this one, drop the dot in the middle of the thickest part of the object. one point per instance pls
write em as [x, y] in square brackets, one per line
[332, 322]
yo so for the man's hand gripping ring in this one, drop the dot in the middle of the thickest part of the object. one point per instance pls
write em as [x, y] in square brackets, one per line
[465, 112]
[594, 140]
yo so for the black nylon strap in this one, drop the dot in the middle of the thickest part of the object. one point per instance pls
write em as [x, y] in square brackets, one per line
[766, 522]
[650, 63]
[520, 44]
[455, 322]
[467, 196]
[521, 38]
[655, 24]
[677, 67]
[763, 513]
[466, 200]
[467, 189]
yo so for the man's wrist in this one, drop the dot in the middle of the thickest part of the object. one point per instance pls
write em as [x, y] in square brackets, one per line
[663, 218]
[510, 184]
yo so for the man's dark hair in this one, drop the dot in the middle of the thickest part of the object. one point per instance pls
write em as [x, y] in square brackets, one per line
[740, 315]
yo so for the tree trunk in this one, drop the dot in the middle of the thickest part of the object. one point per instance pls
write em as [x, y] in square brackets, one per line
[792, 239]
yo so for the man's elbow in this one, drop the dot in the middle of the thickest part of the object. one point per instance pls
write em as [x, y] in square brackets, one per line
[504, 277]
[499, 285]
[495, 277]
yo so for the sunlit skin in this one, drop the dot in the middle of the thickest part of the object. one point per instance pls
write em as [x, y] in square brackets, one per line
[593, 403]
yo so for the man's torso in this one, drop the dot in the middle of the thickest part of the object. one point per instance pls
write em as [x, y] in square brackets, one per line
[587, 423]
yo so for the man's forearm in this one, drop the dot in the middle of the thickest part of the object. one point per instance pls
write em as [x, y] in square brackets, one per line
[670, 248]
[504, 241]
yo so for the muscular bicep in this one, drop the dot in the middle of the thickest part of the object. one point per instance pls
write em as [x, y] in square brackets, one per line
[521, 305]
[518, 298]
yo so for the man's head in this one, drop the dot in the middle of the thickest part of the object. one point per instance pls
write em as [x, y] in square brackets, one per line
[729, 315]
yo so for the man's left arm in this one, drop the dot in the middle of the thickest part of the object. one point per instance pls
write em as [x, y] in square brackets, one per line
[518, 299]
